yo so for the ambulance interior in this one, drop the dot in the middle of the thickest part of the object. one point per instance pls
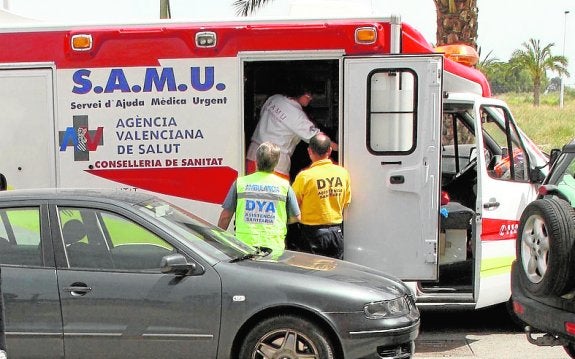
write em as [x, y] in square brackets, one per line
[265, 78]
[459, 195]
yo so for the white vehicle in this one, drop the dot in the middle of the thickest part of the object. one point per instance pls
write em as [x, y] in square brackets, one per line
[170, 107]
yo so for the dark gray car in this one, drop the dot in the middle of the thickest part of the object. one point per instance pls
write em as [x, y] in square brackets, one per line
[103, 274]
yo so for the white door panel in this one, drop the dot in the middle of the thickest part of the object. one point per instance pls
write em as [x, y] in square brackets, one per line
[27, 120]
[391, 148]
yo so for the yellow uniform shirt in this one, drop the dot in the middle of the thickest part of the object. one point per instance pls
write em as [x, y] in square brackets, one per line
[322, 191]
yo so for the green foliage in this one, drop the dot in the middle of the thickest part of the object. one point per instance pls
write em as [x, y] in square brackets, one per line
[505, 77]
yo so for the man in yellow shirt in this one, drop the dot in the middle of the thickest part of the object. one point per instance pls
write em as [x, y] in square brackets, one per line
[323, 191]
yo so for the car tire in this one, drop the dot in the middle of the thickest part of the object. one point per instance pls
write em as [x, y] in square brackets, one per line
[290, 336]
[545, 247]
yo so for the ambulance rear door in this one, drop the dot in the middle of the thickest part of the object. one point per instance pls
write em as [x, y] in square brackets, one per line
[391, 143]
[27, 127]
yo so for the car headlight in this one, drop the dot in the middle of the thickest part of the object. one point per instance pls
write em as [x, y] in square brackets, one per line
[387, 308]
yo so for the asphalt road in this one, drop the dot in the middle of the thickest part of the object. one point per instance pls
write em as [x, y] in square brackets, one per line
[487, 334]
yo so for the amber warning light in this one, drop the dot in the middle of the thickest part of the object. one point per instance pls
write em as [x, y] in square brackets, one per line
[463, 54]
[365, 35]
[81, 42]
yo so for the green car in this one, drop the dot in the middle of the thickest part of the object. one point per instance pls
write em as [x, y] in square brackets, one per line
[543, 275]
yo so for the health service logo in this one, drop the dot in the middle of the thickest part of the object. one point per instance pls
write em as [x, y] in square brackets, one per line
[81, 138]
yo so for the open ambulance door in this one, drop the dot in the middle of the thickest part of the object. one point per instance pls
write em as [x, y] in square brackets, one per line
[391, 147]
[27, 127]
[504, 189]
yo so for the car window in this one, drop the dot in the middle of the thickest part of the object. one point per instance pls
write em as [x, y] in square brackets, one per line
[104, 240]
[20, 236]
[507, 161]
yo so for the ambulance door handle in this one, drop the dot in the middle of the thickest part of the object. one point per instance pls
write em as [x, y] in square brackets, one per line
[491, 204]
[390, 163]
[396, 179]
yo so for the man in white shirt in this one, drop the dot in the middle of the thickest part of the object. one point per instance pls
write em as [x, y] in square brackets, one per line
[283, 122]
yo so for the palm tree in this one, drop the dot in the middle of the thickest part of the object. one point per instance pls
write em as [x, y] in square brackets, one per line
[456, 22]
[537, 60]
[247, 7]
[488, 62]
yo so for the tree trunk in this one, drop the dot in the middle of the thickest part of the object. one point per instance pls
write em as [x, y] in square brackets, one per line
[165, 12]
[456, 22]
[536, 92]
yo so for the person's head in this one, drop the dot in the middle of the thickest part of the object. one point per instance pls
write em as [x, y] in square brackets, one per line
[319, 147]
[304, 99]
[267, 157]
[302, 94]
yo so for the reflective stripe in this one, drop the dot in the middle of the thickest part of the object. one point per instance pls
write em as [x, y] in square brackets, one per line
[260, 195]
[496, 266]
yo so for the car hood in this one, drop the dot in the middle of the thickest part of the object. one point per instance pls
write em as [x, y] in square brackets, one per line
[324, 274]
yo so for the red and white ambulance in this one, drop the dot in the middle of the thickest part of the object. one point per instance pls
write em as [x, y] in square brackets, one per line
[169, 108]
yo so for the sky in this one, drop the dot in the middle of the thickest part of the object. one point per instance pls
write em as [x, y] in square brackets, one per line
[504, 25]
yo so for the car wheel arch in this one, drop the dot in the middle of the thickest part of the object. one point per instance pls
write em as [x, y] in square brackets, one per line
[295, 311]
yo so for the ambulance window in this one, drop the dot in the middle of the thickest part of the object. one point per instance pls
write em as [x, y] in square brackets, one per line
[391, 111]
[507, 159]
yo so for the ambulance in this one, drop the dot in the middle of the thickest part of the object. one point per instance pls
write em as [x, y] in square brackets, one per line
[440, 170]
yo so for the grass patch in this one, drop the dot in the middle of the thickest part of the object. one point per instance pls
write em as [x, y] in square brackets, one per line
[547, 125]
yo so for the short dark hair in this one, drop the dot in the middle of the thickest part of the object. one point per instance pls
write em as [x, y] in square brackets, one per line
[320, 144]
[298, 89]
[267, 156]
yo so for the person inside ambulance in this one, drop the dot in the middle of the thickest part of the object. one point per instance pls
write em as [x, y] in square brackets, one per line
[263, 202]
[283, 122]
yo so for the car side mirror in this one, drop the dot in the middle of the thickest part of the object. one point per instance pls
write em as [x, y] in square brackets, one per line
[536, 175]
[179, 265]
[553, 156]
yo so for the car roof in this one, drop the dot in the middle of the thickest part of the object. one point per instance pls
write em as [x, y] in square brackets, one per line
[99, 195]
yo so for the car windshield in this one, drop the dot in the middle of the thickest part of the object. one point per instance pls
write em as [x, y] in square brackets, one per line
[201, 234]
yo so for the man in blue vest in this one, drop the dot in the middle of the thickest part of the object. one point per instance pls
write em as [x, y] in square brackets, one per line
[263, 202]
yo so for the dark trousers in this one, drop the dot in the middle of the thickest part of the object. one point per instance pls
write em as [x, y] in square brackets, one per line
[324, 240]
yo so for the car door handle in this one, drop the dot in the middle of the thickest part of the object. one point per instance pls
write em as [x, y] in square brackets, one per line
[489, 205]
[78, 289]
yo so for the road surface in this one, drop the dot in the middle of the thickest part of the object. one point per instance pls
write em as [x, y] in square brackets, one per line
[482, 334]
